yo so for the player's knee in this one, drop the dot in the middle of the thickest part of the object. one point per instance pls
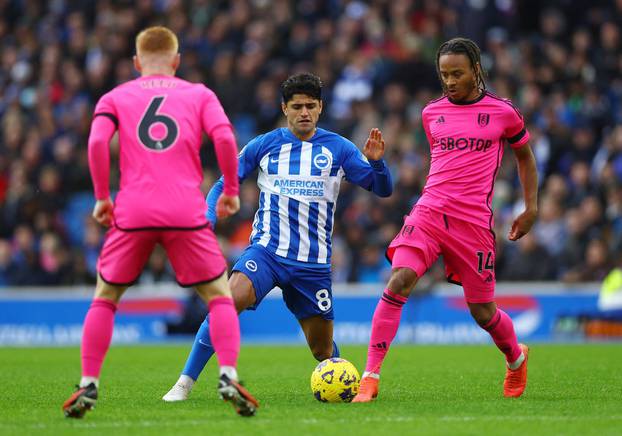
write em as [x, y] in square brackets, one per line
[242, 291]
[402, 281]
[243, 300]
[108, 291]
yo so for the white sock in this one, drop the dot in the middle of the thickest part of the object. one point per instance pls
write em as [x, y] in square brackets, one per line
[371, 374]
[518, 362]
[185, 381]
[230, 372]
[85, 381]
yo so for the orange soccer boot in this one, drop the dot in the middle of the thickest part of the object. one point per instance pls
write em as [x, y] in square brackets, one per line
[368, 390]
[81, 401]
[233, 392]
[516, 379]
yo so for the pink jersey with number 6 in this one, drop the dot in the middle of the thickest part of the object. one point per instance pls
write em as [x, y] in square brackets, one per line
[160, 120]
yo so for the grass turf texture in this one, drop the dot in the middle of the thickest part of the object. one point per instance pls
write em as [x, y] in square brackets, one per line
[572, 389]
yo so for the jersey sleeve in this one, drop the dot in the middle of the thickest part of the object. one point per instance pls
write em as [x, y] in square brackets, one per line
[515, 132]
[212, 112]
[249, 157]
[371, 175]
[106, 108]
[103, 126]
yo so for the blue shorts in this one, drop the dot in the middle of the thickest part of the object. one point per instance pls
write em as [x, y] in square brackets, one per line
[306, 291]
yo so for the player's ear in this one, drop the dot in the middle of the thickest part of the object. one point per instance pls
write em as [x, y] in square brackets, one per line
[284, 108]
[320, 106]
[137, 65]
[176, 61]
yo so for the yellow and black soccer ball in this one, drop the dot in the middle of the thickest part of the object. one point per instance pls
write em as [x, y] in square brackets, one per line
[335, 380]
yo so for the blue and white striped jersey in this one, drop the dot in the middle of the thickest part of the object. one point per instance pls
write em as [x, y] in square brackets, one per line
[299, 184]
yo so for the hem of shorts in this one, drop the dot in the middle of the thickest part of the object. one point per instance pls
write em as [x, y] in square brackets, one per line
[201, 282]
[410, 267]
[306, 316]
[452, 281]
[128, 284]
[143, 229]
[479, 300]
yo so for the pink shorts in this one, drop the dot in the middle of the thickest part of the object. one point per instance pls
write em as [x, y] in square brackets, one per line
[468, 251]
[194, 254]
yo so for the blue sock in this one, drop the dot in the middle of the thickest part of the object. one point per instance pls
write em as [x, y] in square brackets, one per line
[335, 350]
[201, 352]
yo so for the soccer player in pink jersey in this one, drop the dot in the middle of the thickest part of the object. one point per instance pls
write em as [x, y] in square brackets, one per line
[467, 129]
[160, 120]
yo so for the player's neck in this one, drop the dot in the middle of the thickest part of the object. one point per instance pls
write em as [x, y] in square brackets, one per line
[473, 97]
[303, 137]
[157, 71]
[477, 92]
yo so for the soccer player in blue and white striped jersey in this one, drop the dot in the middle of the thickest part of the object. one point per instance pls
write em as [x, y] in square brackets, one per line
[300, 170]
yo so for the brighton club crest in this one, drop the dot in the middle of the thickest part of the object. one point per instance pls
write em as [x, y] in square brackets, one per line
[483, 119]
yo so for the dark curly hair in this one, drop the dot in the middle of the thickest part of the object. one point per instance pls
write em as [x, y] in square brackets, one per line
[303, 83]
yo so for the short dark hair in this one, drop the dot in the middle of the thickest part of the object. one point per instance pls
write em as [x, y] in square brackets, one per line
[303, 83]
[468, 48]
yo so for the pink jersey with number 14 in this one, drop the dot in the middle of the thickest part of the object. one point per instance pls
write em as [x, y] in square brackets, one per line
[466, 146]
[160, 120]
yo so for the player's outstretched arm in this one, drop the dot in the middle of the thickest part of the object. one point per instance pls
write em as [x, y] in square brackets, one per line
[528, 174]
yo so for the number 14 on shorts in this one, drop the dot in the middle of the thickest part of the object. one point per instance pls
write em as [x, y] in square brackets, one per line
[481, 264]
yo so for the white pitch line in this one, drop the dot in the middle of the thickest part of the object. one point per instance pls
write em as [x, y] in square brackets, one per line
[269, 421]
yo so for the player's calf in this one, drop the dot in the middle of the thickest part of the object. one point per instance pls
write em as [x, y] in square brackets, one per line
[82, 400]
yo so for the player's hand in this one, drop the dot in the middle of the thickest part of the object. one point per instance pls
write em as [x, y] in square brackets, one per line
[103, 212]
[227, 205]
[374, 147]
[522, 224]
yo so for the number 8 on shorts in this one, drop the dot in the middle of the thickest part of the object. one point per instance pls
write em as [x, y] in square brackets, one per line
[324, 301]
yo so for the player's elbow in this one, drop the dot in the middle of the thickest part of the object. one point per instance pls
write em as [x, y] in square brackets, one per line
[387, 193]
[384, 191]
[96, 141]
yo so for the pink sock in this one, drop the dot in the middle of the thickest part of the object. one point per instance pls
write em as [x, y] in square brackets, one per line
[224, 330]
[96, 335]
[501, 329]
[384, 326]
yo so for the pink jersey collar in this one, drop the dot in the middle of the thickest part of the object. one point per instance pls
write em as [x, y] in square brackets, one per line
[465, 103]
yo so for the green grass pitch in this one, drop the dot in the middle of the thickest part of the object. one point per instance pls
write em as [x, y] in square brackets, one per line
[444, 390]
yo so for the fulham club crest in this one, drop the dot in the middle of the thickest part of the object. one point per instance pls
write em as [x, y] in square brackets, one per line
[483, 119]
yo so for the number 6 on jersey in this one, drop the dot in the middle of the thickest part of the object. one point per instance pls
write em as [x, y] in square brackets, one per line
[150, 120]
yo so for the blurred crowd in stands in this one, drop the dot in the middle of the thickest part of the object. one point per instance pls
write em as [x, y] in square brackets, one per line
[559, 61]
